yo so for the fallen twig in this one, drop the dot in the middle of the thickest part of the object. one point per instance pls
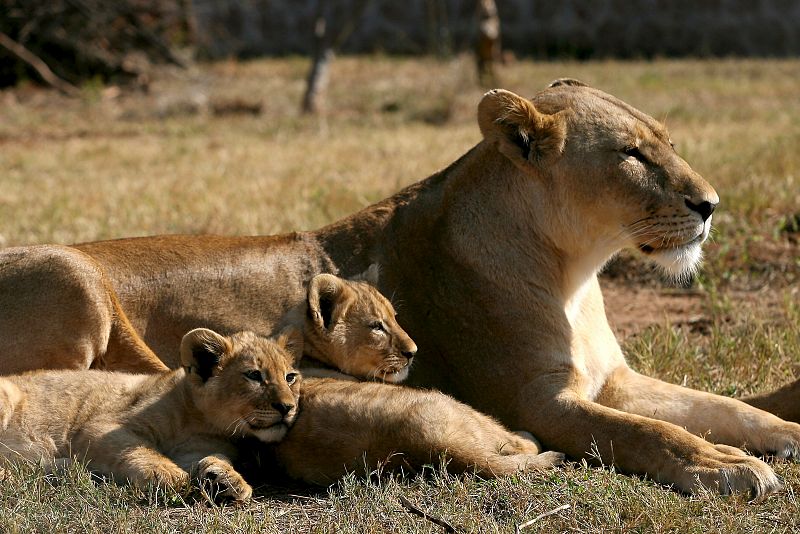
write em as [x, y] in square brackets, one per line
[415, 510]
[528, 523]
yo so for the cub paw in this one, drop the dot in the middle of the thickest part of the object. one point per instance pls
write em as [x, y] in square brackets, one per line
[170, 476]
[222, 480]
[535, 462]
[534, 445]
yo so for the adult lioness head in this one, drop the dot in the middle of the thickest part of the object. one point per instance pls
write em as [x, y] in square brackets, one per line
[610, 174]
[352, 327]
[247, 382]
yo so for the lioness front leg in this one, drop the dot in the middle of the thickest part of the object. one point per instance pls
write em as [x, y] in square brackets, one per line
[636, 444]
[783, 402]
[719, 419]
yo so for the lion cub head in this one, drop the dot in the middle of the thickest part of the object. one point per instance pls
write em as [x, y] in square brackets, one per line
[352, 327]
[244, 383]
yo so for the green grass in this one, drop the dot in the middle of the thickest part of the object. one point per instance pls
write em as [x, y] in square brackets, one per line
[78, 170]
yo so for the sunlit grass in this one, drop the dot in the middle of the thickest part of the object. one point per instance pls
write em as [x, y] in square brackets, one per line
[142, 164]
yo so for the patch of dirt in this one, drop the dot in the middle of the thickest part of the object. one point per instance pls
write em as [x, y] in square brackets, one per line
[758, 275]
[632, 308]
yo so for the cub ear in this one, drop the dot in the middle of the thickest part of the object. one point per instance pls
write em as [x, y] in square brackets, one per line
[202, 350]
[291, 340]
[369, 276]
[521, 133]
[328, 300]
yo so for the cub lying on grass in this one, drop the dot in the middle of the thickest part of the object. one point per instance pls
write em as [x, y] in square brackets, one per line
[158, 428]
[349, 426]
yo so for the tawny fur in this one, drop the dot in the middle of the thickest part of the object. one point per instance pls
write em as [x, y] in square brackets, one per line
[345, 426]
[348, 426]
[495, 260]
[351, 329]
[157, 428]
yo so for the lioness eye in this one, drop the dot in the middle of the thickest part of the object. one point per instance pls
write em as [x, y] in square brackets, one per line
[633, 152]
[291, 378]
[253, 375]
[377, 325]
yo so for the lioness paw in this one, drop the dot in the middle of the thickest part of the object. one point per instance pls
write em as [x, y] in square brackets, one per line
[727, 473]
[784, 444]
[222, 480]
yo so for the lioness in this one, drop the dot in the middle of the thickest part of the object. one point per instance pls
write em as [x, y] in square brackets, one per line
[495, 259]
[158, 428]
[345, 426]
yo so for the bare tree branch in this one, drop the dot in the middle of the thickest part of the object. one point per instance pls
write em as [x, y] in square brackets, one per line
[40, 66]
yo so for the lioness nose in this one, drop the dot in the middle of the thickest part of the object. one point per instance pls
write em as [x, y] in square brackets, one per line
[704, 208]
[282, 407]
[409, 353]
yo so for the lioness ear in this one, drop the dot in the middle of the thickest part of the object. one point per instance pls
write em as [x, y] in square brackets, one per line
[328, 300]
[201, 351]
[571, 82]
[291, 340]
[369, 276]
[520, 131]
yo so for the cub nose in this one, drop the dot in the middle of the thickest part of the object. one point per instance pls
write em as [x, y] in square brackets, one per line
[282, 408]
[704, 208]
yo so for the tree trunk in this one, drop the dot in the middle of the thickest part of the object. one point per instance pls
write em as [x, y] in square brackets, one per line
[318, 77]
[487, 50]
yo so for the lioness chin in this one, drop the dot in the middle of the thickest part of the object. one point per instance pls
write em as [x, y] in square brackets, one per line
[495, 259]
[357, 426]
[158, 428]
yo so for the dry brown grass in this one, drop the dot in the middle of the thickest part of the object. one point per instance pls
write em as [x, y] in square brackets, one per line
[153, 163]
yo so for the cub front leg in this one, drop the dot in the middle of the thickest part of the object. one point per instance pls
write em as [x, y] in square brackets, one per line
[718, 419]
[142, 465]
[666, 452]
[114, 450]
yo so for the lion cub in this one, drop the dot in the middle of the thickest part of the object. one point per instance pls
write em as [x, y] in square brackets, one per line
[351, 426]
[350, 331]
[159, 428]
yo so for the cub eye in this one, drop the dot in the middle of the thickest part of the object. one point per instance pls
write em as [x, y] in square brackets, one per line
[633, 152]
[254, 375]
[378, 326]
[291, 378]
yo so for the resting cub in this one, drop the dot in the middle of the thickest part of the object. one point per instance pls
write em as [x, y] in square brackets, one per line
[350, 328]
[158, 428]
[347, 426]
